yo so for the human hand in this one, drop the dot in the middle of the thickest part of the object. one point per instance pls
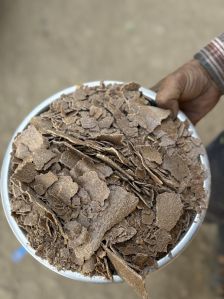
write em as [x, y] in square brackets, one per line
[190, 89]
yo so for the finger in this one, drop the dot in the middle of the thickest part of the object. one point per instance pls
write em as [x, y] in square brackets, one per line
[196, 109]
[191, 111]
[194, 117]
[156, 87]
[168, 94]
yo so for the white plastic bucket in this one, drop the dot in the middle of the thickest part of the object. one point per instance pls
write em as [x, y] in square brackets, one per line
[180, 246]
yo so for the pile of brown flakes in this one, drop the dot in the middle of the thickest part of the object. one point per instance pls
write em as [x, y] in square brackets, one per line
[104, 183]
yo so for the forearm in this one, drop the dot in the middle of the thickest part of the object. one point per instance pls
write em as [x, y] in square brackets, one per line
[211, 57]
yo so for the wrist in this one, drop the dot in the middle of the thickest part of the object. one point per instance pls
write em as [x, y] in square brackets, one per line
[211, 58]
[197, 64]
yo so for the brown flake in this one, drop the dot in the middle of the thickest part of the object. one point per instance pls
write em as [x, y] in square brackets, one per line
[120, 233]
[122, 203]
[103, 171]
[106, 122]
[20, 207]
[169, 128]
[41, 123]
[166, 141]
[96, 188]
[101, 253]
[80, 94]
[95, 111]
[129, 275]
[75, 141]
[116, 139]
[89, 265]
[82, 166]
[84, 220]
[51, 163]
[148, 217]
[150, 154]
[132, 86]
[31, 219]
[64, 189]
[16, 191]
[69, 158]
[154, 177]
[125, 126]
[30, 138]
[41, 157]
[88, 122]
[141, 260]
[25, 172]
[140, 173]
[169, 208]
[22, 151]
[163, 239]
[196, 141]
[70, 119]
[149, 117]
[45, 180]
[114, 165]
[113, 151]
[44, 208]
[177, 166]
[77, 234]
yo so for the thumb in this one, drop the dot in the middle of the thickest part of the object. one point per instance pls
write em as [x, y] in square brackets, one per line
[168, 94]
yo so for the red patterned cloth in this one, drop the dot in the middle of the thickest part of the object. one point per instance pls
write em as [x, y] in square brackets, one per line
[212, 59]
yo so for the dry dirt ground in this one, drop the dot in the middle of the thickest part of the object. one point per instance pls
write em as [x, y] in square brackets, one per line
[48, 45]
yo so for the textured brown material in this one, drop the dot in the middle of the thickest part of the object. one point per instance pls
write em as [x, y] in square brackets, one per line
[129, 275]
[45, 180]
[100, 168]
[41, 157]
[169, 208]
[121, 204]
[96, 188]
[163, 239]
[150, 117]
[25, 172]
[69, 158]
[148, 217]
[64, 189]
[150, 154]
[177, 166]
[31, 138]
[120, 233]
